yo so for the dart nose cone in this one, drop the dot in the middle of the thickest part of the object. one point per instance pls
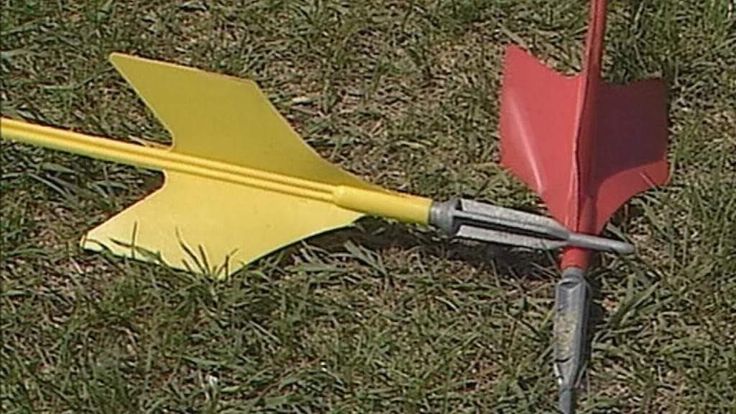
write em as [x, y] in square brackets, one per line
[590, 242]
[625, 248]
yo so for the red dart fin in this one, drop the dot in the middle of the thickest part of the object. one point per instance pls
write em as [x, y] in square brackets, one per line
[583, 145]
[538, 127]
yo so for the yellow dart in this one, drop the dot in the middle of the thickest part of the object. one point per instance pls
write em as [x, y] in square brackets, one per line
[240, 183]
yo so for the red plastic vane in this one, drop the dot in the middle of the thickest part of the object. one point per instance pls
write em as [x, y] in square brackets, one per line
[585, 146]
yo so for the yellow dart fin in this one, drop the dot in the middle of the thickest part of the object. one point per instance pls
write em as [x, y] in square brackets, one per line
[212, 227]
[240, 182]
[226, 119]
[202, 224]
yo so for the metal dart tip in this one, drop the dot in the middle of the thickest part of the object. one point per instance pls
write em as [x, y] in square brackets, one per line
[485, 222]
[592, 242]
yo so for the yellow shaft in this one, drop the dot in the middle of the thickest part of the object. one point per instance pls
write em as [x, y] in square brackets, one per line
[398, 206]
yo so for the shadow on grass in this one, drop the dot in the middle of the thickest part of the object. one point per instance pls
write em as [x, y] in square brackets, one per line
[380, 235]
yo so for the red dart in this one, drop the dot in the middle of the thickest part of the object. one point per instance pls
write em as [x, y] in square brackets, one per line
[586, 147]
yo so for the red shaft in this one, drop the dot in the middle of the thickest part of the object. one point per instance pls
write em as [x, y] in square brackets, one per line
[594, 41]
[594, 48]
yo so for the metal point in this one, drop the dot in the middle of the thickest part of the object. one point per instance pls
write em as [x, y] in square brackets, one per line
[485, 222]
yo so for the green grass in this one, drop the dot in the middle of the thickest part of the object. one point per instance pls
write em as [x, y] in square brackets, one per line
[381, 318]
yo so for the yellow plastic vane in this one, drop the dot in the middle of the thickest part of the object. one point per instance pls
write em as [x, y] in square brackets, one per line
[240, 183]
